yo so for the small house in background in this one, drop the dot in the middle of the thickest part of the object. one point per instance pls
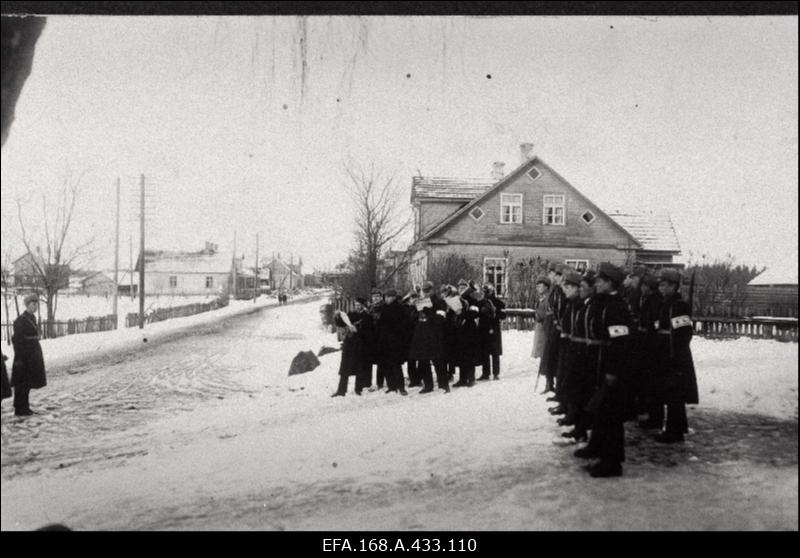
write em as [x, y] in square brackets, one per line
[528, 213]
[286, 276]
[27, 271]
[205, 272]
[774, 292]
[97, 283]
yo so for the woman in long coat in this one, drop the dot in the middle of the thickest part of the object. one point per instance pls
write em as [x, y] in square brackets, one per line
[28, 370]
[355, 357]
[539, 331]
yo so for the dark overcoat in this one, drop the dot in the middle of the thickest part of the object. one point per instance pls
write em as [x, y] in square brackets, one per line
[676, 374]
[28, 369]
[427, 342]
[495, 331]
[355, 356]
[467, 351]
[6, 385]
[392, 334]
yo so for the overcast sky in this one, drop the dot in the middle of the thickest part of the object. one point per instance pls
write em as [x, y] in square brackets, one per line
[693, 116]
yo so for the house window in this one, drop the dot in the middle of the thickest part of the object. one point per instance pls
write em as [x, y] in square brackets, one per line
[553, 210]
[511, 208]
[494, 272]
[173, 281]
[579, 265]
[209, 281]
[534, 173]
[588, 217]
[476, 213]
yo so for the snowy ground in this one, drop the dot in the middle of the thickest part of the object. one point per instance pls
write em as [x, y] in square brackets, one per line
[202, 429]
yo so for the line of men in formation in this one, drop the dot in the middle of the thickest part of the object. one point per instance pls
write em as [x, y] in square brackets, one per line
[457, 327]
[615, 346]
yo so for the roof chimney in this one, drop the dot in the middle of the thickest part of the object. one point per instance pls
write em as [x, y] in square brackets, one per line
[526, 152]
[498, 170]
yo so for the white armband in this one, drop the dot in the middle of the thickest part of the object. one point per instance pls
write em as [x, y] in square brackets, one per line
[617, 331]
[681, 321]
[442, 313]
[473, 308]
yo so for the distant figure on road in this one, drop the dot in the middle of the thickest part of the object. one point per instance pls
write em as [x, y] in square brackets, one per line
[28, 370]
[282, 298]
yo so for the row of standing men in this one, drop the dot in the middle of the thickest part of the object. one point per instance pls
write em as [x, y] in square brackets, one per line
[614, 346]
[454, 328]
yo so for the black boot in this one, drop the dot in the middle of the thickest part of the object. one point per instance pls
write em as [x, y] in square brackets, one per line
[606, 469]
[668, 438]
[586, 453]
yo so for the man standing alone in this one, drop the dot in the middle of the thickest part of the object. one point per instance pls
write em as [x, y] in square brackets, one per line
[28, 370]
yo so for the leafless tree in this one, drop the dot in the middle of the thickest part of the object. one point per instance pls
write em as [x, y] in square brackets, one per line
[378, 221]
[49, 268]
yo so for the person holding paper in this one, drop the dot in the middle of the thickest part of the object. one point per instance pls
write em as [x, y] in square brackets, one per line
[355, 360]
[428, 339]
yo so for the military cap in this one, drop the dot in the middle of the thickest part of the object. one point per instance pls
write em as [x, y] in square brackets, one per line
[611, 273]
[544, 280]
[650, 280]
[376, 291]
[391, 292]
[30, 298]
[427, 286]
[463, 283]
[361, 300]
[572, 277]
[670, 275]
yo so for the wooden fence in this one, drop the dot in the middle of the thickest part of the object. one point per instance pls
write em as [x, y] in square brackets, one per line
[161, 314]
[782, 329]
[51, 330]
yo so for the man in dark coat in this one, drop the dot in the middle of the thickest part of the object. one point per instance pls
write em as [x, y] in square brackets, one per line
[649, 308]
[486, 312]
[355, 361]
[427, 344]
[372, 350]
[555, 307]
[449, 332]
[28, 370]
[607, 441]
[571, 284]
[678, 381]
[392, 331]
[467, 337]
[495, 334]
[412, 365]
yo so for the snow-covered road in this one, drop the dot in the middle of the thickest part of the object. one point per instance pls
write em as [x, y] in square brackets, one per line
[207, 431]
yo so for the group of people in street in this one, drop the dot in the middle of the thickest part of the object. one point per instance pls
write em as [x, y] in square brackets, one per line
[456, 328]
[614, 346]
[28, 371]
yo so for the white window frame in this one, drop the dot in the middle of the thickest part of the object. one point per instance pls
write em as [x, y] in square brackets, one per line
[594, 217]
[173, 281]
[477, 219]
[551, 201]
[501, 288]
[209, 279]
[510, 201]
[574, 263]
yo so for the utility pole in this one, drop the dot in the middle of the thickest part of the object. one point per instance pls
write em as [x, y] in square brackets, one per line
[258, 285]
[141, 253]
[116, 261]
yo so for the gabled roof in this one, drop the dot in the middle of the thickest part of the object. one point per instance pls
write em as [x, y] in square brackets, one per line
[441, 188]
[653, 230]
[524, 167]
